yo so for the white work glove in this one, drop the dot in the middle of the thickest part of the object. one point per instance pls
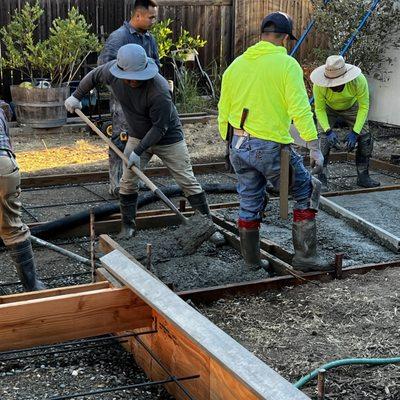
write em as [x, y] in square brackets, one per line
[72, 103]
[316, 157]
[134, 159]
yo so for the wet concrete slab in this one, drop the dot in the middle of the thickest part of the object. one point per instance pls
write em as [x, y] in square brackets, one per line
[379, 208]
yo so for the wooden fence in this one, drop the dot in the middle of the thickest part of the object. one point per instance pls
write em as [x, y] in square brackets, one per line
[229, 26]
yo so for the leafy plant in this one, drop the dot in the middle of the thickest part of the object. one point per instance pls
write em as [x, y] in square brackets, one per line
[178, 49]
[186, 44]
[58, 57]
[339, 18]
[162, 33]
[187, 93]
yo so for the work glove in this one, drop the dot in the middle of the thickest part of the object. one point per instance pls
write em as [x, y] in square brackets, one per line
[351, 141]
[72, 103]
[332, 138]
[134, 159]
[316, 157]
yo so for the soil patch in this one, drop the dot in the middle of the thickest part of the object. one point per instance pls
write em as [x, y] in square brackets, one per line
[299, 329]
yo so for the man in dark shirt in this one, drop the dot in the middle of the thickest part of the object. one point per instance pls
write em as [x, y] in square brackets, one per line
[154, 127]
[14, 233]
[136, 30]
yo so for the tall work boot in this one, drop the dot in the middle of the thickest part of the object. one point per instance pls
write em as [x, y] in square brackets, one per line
[250, 245]
[199, 202]
[128, 207]
[22, 255]
[304, 234]
[363, 178]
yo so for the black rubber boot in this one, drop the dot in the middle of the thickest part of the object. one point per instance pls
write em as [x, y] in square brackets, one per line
[304, 234]
[250, 248]
[363, 178]
[128, 207]
[22, 255]
[199, 202]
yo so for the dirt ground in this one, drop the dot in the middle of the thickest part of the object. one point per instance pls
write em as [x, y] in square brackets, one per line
[299, 329]
[80, 151]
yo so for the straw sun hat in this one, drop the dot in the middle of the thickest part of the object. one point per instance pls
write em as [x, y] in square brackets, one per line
[334, 73]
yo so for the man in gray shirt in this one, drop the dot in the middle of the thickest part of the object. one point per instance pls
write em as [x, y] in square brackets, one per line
[153, 127]
[136, 30]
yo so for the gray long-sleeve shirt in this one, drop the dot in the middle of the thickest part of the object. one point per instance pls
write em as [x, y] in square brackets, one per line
[149, 109]
[124, 35]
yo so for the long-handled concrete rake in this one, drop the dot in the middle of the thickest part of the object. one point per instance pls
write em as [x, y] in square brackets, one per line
[199, 230]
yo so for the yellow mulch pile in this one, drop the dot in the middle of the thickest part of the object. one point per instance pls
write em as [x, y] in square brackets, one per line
[82, 152]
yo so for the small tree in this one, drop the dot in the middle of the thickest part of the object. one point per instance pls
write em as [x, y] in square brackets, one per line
[339, 18]
[59, 57]
[175, 49]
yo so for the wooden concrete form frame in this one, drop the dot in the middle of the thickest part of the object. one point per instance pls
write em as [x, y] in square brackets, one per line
[190, 344]
[58, 315]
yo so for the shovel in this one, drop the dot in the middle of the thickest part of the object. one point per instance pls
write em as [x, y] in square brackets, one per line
[201, 229]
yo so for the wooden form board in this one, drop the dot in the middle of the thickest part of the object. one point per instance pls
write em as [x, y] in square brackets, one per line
[70, 316]
[189, 344]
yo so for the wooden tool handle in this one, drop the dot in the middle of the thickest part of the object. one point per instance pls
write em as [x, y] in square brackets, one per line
[136, 170]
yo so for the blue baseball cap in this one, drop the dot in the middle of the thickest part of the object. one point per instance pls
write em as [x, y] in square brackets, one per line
[133, 64]
[278, 22]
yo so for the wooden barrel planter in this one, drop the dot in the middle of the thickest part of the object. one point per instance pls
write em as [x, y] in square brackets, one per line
[40, 108]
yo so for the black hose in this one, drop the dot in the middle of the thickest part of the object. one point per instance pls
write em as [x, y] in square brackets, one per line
[100, 212]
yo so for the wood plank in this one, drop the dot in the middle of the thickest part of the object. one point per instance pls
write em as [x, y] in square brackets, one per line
[73, 316]
[102, 176]
[245, 369]
[13, 298]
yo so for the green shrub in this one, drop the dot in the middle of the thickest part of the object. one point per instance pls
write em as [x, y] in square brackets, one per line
[339, 19]
[59, 57]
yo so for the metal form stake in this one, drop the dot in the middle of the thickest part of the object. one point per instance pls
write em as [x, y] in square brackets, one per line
[149, 252]
[339, 265]
[92, 245]
[182, 205]
[321, 384]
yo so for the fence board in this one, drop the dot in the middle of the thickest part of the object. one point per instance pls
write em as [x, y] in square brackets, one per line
[229, 26]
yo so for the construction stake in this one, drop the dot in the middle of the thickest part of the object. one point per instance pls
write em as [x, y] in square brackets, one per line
[321, 384]
[92, 245]
[339, 265]
[149, 251]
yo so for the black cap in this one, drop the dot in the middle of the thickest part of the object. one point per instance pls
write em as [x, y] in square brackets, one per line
[279, 23]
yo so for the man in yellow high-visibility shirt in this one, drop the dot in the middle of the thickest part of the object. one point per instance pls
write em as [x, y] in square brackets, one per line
[341, 92]
[262, 92]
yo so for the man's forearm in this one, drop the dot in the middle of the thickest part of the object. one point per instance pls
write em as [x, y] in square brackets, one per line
[89, 81]
[152, 137]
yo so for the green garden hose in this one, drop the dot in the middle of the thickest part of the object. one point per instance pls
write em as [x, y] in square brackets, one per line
[347, 361]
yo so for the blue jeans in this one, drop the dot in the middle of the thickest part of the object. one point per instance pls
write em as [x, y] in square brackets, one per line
[257, 161]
